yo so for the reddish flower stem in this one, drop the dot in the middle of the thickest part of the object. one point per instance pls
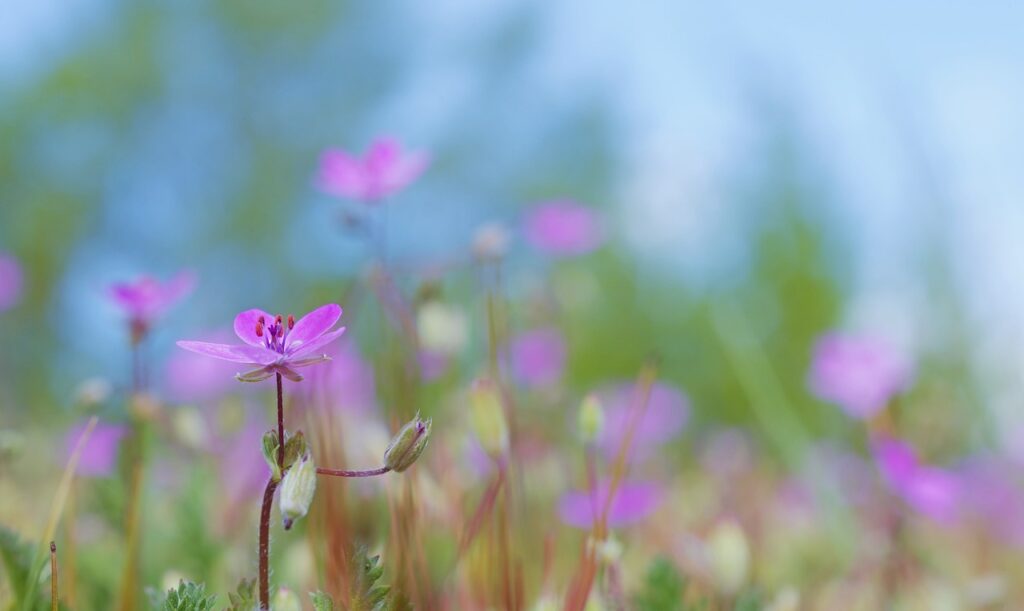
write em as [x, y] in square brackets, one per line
[345, 473]
[280, 424]
[268, 502]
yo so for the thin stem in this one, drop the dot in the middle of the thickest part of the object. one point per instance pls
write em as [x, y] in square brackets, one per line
[264, 551]
[53, 576]
[345, 473]
[280, 424]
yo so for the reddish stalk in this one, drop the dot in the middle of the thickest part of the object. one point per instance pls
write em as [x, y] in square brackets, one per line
[347, 473]
[53, 576]
[264, 551]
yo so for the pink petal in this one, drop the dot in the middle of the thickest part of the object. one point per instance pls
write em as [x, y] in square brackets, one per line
[633, 502]
[245, 326]
[235, 354]
[342, 175]
[316, 344]
[563, 228]
[312, 326]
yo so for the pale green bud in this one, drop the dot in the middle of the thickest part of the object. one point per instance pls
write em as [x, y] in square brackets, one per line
[487, 416]
[407, 445]
[728, 555]
[591, 419]
[286, 600]
[297, 490]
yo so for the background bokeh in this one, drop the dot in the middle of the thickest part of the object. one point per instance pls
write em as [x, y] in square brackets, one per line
[764, 174]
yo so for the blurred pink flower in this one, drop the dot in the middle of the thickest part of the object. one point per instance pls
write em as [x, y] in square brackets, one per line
[382, 171]
[10, 282]
[433, 364]
[859, 374]
[99, 454]
[538, 357]
[192, 377]
[563, 228]
[243, 472]
[276, 344]
[633, 502]
[345, 382]
[931, 491]
[146, 299]
[665, 416]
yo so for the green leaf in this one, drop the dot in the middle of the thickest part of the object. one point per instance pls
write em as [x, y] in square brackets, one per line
[662, 589]
[17, 556]
[321, 601]
[270, 445]
[294, 448]
[187, 596]
[244, 598]
[367, 594]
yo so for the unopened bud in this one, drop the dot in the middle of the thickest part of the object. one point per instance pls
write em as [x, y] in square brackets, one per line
[407, 445]
[488, 417]
[591, 419]
[297, 491]
[286, 600]
[728, 555]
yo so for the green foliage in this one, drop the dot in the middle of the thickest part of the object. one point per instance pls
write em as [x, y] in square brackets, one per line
[295, 446]
[321, 601]
[187, 597]
[367, 594]
[245, 597]
[662, 589]
[16, 556]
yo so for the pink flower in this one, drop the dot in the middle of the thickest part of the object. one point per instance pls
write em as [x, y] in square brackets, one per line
[563, 228]
[929, 490]
[192, 377]
[664, 417]
[538, 357]
[275, 344]
[382, 171]
[859, 374]
[99, 454]
[146, 299]
[10, 282]
[633, 502]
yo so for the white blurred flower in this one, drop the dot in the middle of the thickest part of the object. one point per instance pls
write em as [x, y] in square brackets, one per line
[442, 328]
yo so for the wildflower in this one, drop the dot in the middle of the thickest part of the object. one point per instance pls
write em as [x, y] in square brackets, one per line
[276, 344]
[860, 374]
[382, 171]
[442, 328]
[929, 490]
[633, 501]
[147, 298]
[407, 444]
[10, 282]
[663, 418]
[563, 228]
[99, 454]
[487, 417]
[190, 377]
[297, 490]
[538, 357]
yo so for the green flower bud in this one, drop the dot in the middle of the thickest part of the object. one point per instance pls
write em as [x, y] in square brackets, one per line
[590, 419]
[269, 447]
[297, 490]
[407, 444]
[286, 600]
[487, 416]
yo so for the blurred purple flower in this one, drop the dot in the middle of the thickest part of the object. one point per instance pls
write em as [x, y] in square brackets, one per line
[859, 374]
[563, 228]
[243, 472]
[99, 454]
[146, 299]
[382, 171]
[345, 382]
[665, 416]
[929, 490]
[538, 357]
[993, 493]
[274, 344]
[633, 502]
[192, 377]
[433, 364]
[10, 282]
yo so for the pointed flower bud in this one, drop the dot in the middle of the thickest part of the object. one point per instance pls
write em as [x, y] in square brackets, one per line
[488, 417]
[407, 444]
[269, 447]
[297, 490]
[591, 419]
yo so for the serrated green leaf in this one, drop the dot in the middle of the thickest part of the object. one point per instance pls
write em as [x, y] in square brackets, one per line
[321, 601]
[367, 594]
[245, 597]
[187, 596]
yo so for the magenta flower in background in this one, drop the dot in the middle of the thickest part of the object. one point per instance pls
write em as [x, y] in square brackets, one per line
[145, 299]
[993, 493]
[192, 377]
[382, 171]
[665, 416]
[538, 357]
[563, 228]
[275, 344]
[929, 490]
[346, 382]
[243, 472]
[859, 374]
[10, 282]
[99, 454]
[633, 502]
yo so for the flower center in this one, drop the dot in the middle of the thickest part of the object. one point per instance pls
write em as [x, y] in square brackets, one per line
[274, 334]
